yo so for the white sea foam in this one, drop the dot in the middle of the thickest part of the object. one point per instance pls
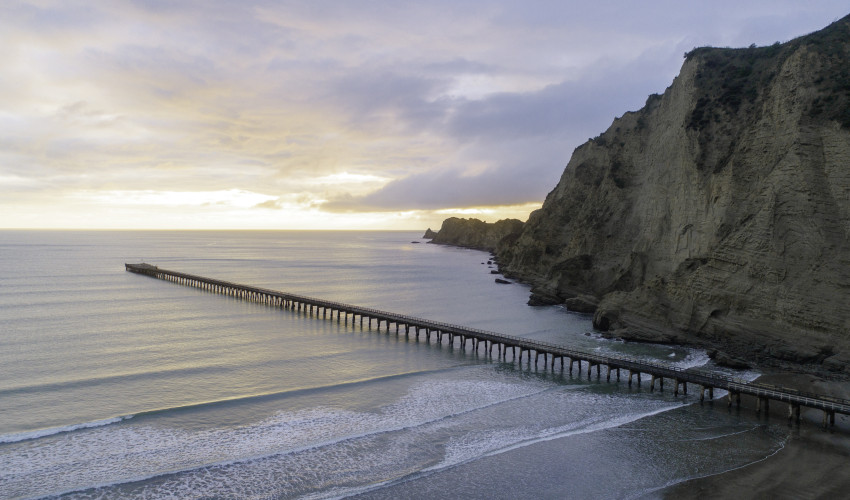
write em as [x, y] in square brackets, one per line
[484, 442]
[108, 456]
[324, 452]
[40, 433]
[494, 443]
[695, 358]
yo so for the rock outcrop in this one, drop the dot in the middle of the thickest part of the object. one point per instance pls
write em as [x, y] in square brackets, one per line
[474, 233]
[718, 215]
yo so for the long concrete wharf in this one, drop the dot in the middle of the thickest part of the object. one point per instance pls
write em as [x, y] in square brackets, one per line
[705, 381]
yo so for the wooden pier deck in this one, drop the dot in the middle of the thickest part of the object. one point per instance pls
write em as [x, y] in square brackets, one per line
[705, 381]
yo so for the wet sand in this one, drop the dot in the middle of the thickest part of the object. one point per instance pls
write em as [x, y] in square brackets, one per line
[813, 463]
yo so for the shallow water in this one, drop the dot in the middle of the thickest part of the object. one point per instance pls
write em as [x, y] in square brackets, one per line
[115, 384]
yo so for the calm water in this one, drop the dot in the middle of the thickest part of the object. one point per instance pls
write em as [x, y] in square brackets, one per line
[119, 385]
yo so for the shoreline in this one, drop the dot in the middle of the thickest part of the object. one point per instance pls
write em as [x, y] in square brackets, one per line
[812, 464]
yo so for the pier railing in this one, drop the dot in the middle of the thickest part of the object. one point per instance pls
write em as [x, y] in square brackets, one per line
[705, 379]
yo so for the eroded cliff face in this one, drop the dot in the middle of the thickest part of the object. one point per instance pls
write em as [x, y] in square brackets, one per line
[719, 214]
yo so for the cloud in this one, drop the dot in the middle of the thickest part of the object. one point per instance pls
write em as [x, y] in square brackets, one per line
[441, 190]
[511, 147]
[349, 105]
[383, 98]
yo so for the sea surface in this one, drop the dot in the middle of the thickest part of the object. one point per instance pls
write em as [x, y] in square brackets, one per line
[116, 385]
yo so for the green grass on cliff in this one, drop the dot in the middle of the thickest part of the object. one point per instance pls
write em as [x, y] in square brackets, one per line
[730, 81]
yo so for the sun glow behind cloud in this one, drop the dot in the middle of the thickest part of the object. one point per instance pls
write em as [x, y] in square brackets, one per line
[323, 114]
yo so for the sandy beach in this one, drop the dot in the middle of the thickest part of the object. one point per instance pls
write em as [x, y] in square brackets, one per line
[812, 464]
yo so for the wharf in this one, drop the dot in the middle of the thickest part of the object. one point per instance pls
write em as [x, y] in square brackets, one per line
[706, 381]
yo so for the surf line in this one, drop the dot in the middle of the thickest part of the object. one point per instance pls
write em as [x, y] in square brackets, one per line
[705, 380]
[50, 431]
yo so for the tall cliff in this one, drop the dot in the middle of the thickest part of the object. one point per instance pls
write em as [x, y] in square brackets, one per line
[719, 214]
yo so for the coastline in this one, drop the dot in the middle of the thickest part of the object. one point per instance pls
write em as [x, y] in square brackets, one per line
[812, 464]
[729, 353]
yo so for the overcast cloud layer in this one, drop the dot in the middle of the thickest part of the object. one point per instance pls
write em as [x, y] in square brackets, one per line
[345, 114]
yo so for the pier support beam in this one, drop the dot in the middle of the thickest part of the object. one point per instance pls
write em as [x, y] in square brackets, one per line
[794, 412]
[736, 396]
[828, 418]
[660, 380]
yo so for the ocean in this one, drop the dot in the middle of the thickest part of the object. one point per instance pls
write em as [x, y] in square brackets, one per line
[116, 385]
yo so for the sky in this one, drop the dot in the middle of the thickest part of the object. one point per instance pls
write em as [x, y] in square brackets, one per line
[355, 114]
